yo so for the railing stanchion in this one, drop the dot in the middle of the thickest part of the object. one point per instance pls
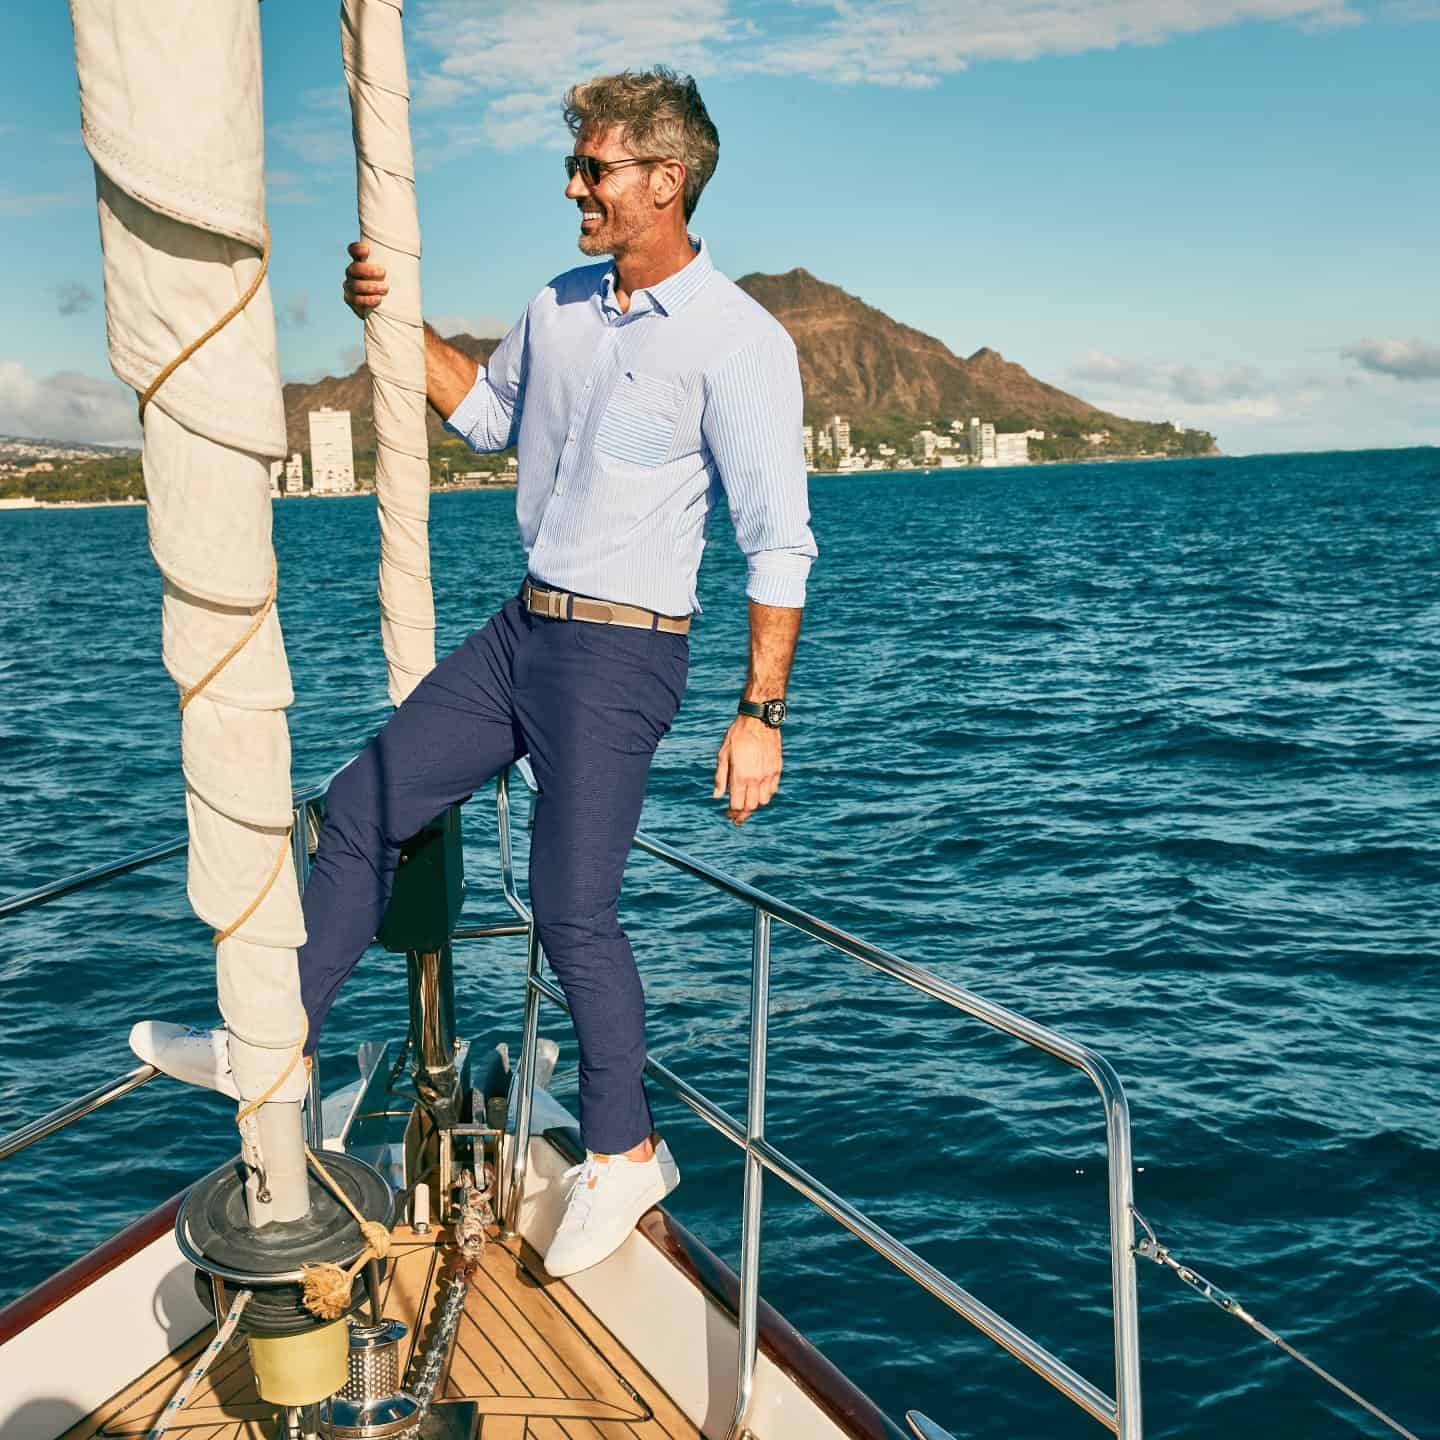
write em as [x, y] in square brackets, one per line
[520, 1157]
[753, 1203]
[300, 855]
[1124, 1294]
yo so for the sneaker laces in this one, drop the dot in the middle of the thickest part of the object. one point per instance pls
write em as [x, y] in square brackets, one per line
[584, 1180]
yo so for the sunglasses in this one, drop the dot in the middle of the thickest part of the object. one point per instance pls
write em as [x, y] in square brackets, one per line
[592, 171]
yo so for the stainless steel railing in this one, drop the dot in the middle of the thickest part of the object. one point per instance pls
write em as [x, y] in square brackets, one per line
[1122, 1414]
[111, 1090]
[76, 1109]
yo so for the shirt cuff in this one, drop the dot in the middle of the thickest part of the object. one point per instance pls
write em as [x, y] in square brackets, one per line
[777, 578]
[472, 412]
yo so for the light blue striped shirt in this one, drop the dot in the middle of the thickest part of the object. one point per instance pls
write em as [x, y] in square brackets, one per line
[630, 424]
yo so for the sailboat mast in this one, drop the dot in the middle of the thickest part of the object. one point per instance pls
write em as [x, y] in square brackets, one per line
[373, 49]
[171, 113]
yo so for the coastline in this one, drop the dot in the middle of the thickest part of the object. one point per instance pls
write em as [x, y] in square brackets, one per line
[1028, 465]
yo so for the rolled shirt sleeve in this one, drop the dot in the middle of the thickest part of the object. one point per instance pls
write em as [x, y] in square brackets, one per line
[488, 418]
[753, 415]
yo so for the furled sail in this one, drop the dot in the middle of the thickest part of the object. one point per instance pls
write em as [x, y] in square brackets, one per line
[170, 97]
[372, 46]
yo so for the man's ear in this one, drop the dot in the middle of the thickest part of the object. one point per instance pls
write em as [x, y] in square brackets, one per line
[670, 182]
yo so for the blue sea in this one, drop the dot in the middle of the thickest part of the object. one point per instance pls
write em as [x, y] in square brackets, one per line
[1150, 752]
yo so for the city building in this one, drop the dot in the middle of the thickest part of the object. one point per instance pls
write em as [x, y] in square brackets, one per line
[1011, 449]
[834, 438]
[295, 475]
[277, 470]
[332, 453]
[923, 446]
[982, 442]
[807, 438]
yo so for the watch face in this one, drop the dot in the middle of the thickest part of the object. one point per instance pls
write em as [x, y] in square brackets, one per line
[775, 712]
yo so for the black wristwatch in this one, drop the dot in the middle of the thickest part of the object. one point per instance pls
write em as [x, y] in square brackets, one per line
[772, 712]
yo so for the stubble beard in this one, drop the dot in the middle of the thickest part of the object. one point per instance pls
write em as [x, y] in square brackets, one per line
[610, 238]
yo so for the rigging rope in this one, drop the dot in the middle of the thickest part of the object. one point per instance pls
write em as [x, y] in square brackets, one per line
[1152, 1249]
[266, 605]
[178, 1400]
[213, 331]
[327, 1287]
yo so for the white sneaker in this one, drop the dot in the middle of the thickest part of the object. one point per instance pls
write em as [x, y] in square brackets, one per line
[608, 1195]
[201, 1057]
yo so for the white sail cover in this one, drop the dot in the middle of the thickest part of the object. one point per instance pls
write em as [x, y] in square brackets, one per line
[170, 99]
[372, 46]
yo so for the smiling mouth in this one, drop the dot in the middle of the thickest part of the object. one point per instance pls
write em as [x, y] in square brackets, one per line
[588, 217]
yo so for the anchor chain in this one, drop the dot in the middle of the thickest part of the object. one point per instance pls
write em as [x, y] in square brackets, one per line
[472, 1213]
[1150, 1248]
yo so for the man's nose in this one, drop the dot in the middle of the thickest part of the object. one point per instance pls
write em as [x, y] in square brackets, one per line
[576, 189]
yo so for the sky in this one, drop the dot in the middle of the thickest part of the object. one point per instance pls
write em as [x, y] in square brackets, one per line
[1219, 212]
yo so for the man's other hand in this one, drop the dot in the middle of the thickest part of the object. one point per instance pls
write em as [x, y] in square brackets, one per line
[748, 767]
[365, 285]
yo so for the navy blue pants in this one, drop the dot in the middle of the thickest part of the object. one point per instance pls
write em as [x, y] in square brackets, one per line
[588, 704]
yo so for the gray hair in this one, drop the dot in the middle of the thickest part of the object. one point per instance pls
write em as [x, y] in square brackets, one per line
[661, 114]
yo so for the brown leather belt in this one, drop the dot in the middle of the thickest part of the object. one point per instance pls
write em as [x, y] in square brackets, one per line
[561, 605]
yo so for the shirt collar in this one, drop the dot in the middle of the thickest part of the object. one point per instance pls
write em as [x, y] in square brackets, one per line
[671, 294]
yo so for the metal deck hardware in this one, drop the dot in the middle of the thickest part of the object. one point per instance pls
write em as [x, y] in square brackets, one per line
[1151, 1248]
[925, 1428]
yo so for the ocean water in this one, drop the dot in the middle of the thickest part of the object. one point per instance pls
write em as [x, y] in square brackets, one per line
[1148, 752]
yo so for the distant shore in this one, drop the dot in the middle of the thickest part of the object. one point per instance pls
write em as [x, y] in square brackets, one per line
[26, 502]
[1024, 465]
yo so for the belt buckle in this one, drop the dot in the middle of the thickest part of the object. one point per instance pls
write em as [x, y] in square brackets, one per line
[552, 603]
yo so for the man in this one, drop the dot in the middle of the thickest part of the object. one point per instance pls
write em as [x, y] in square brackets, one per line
[635, 390]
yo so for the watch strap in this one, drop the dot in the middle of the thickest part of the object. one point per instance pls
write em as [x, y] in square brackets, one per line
[768, 712]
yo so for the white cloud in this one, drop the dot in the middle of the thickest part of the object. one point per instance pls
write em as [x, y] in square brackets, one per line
[296, 312]
[483, 327]
[918, 42]
[1249, 410]
[289, 187]
[74, 298]
[1106, 369]
[1400, 359]
[316, 143]
[1196, 390]
[516, 57]
[40, 202]
[511, 61]
[66, 406]
[320, 136]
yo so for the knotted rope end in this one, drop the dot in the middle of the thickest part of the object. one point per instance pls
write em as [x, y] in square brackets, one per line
[326, 1290]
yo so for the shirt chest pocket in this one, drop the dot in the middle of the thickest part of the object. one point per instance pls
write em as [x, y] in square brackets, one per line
[639, 423]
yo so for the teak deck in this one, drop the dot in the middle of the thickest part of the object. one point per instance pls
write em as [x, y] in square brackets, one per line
[534, 1362]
